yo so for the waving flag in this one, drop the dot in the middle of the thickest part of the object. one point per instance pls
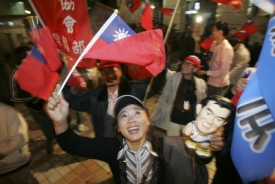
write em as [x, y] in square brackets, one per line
[146, 17]
[236, 4]
[144, 49]
[124, 45]
[45, 43]
[167, 11]
[69, 24]
[35, 77]
[253, 146]
[133, 5]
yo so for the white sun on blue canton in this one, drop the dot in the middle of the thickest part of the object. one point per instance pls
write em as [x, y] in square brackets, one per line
[121, 34]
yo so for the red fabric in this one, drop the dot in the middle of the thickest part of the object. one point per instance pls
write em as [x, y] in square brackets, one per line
[166, 11]
[241, 35]
[146, 17]
[206, 43]
[143, 49]
[249, 28]
[36, 78]
[133, 5]
[236, 97]
[138, 73]
[236, 4]
[77, 81]
[54, 13]
[107, 64]
[45, 43]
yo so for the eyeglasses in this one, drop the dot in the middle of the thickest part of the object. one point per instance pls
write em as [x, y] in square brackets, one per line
[188, 64]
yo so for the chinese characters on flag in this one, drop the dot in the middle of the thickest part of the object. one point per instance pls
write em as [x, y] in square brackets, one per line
[69, 24]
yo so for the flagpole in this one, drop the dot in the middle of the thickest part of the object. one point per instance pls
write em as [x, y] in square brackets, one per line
[121, 7]
[165, 39]
[172, 21]
[133, 17]
[88, 47]
[36, 12]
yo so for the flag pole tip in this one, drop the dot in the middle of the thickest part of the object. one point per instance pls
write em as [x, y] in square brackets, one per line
[116, 10]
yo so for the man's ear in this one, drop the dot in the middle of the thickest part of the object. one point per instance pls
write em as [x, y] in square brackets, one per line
[198, 108]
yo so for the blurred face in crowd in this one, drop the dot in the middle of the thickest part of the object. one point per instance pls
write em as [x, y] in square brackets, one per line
[211, 117]
[133, 124]
[188, 67]
[216, 33]
[196, 28]
[111, 76]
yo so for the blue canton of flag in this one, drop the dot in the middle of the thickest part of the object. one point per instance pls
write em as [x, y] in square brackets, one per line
[116, 30]
[253, 146]
[36, 54]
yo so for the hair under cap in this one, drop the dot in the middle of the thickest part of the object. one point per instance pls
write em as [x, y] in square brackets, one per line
[126, 100]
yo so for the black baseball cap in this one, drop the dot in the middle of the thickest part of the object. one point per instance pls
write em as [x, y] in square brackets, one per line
[125, 100]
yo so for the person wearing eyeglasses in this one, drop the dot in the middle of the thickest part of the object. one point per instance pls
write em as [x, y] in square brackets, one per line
[181, 93]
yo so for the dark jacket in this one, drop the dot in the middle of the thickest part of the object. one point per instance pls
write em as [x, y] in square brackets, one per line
[187, 46]
[105, 149]
[96, 101]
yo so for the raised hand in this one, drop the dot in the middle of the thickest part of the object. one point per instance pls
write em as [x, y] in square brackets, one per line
[58, 109]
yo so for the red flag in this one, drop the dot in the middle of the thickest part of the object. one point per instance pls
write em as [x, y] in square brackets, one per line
[167, 11]
[146, 17]
[236, 4]
[133, 5]
[137, 72]
[144, 49]
[69, 24]
[206, 43]
[76, 80]
[45, 43]
[36, 78]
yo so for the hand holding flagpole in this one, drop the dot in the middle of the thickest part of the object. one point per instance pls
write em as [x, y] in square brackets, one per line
[88, 47]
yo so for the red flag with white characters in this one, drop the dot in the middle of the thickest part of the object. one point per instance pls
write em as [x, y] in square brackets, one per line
[68, 22]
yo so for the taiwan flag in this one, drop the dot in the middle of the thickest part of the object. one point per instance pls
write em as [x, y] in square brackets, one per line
[35, 76]
[143, 49]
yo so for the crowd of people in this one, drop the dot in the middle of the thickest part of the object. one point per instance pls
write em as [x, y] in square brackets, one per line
[170, 146]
